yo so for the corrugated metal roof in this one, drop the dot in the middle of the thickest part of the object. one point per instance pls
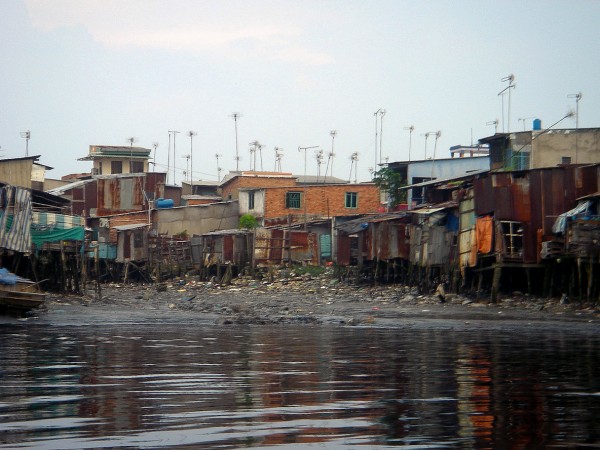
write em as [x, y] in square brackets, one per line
[67, 187]
[131, 226]
[445, 180]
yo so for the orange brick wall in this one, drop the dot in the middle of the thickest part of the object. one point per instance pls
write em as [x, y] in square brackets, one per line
[249, 181]
[322, 201]
[126, 219]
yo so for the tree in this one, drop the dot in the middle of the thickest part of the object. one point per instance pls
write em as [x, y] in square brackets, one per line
[390, 181]
[248, 222]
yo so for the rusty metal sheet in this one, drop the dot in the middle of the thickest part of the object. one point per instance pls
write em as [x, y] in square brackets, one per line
[521, 199]
[343, 249]
[484, 194]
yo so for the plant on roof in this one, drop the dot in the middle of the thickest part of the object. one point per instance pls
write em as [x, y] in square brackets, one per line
[390, 181]
[248, 222]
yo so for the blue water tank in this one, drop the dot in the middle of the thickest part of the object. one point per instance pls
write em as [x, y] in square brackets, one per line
[537, 124]
[164, 203]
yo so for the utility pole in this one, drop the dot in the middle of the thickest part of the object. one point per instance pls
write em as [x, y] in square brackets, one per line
[236, 116]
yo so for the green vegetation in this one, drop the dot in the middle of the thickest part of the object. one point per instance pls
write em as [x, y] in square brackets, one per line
[248, 222]
[390, 181]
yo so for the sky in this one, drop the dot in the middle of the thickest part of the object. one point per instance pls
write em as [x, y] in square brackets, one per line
[77, 73]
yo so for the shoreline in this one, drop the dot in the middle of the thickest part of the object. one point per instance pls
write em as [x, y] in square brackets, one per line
[304, 301]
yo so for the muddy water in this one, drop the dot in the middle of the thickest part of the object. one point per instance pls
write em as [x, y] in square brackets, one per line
[188, 386]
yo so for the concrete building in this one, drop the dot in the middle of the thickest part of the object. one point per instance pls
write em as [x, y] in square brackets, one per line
[541, 148]
[111, 159]
[415, 172]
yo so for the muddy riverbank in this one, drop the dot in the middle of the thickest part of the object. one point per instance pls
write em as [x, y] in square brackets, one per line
[305, 300]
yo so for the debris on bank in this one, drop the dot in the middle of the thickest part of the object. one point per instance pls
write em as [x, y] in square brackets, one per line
[289, 297]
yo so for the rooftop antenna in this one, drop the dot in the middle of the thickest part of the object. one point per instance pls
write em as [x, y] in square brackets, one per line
[278, 157]
[26, 135]
[169, 158]
[429, 133]
[256, 147]
[330, 155]
[187, 167]
[300, 149]
[495, 123]
[236, 116]
[131, 140]
[191, 134]
[577, 97]
[174, 134]
[437, 136]
[410, 129]
[511, 85]
[381, 113]
[376, 114]
[319, 158]
[524, 120]
[154, 145]
[217, 155]
[353, 164]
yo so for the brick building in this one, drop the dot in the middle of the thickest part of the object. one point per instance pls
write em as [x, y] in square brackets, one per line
[273, 205]
[238, 180]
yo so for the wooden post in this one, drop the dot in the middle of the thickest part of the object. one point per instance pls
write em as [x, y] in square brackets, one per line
[496, 283]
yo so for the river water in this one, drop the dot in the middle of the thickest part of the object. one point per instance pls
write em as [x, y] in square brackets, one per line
[186, 386]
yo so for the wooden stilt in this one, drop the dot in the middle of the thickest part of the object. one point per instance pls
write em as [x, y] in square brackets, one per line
[496, 283]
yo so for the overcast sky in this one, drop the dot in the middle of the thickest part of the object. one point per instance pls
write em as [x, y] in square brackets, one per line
[96, 72]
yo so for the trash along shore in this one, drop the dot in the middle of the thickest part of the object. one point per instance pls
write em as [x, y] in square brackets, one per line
[304, 299]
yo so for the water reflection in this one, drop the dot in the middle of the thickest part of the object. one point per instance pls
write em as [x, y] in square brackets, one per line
[142, 386]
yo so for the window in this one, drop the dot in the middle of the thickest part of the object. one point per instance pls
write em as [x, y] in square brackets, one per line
[565, 160]
[138, 238]
[293, 200]
[251, 200]
[137, 166]
[351, 199]
[116, 167]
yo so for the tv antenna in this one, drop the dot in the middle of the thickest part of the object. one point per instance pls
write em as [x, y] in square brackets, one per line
[278, 157]
[154, 145]
[510, 79]
[191, 134]
[236, 116]
[410, 129]
[26, 135]
[353, 164]
[577, 97]
[217, 156]
[495, 123]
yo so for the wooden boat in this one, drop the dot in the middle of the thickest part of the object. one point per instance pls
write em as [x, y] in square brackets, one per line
[22, 296]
